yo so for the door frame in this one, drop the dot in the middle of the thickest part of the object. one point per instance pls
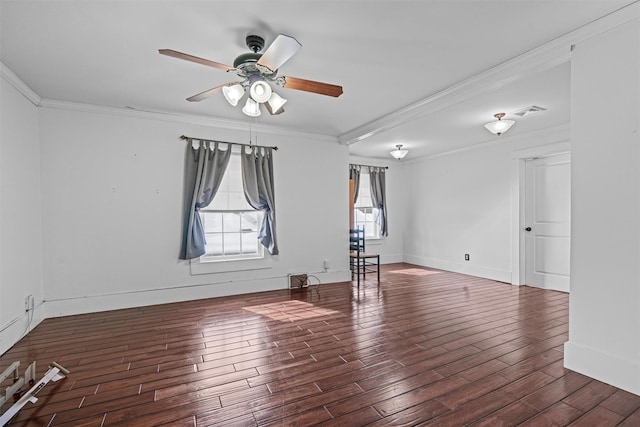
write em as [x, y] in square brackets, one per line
[518, 160]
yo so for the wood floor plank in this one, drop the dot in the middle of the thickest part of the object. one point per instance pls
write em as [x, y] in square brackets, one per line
[507, 416]
[622, 402]
[599, 416]
[559, 414]
[590, 395]
[422, 347]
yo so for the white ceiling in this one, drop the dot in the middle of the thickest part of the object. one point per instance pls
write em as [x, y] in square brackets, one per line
[387, 55]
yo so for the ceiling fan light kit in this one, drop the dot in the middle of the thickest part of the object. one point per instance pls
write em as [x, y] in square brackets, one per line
[251, 108]
[499, 126]
[275, 104]
[260, 91]
[233, 93]
[256, 71]
[398, 153]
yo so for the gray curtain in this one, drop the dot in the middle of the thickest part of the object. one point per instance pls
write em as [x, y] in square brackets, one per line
[354, 174]
[257, 180]
[204, 169]
[379, 197]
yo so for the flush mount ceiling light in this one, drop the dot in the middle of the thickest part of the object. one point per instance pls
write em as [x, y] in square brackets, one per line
[398, 153]
[499, 126]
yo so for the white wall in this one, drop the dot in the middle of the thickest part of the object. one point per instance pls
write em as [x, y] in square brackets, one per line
[20, 216]
[604, 316]
[112, 211]
[462, 203]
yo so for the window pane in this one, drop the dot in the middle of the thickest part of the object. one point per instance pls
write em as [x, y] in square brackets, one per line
[237, 201]
[364, 193]
[231, 243]
[368, 217]
[250, 243]
[214, 244]
[250, 221]
[231, 222]
[212, 222]
[368, 229]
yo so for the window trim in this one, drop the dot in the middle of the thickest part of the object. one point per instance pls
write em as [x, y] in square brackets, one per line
[198, 267]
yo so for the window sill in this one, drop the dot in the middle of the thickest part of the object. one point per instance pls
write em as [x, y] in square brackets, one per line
[225, 266]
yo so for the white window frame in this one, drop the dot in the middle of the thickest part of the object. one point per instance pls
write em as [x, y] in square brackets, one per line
[236, 256]
[229, 199]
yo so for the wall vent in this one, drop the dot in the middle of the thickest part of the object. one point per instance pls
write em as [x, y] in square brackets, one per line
[298, 280]
[528, 110]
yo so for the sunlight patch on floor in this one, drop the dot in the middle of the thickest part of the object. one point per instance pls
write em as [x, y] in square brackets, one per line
[290, 311]
[414, 272]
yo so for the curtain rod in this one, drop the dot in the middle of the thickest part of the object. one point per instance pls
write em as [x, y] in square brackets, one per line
[183, 137]
[369, 166]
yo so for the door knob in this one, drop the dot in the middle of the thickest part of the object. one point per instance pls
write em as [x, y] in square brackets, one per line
[527, 229]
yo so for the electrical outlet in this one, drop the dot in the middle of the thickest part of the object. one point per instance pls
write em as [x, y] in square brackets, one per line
[466, 257]
[28, 303]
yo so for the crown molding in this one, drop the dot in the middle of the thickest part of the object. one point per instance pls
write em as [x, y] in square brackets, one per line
[531, 62]
[16, 82]
[552, 135]
[140, 113]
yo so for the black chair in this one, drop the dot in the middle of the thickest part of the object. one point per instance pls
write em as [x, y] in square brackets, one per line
[361, 262]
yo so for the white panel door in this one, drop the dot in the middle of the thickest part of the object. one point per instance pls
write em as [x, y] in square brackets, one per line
[548, 222]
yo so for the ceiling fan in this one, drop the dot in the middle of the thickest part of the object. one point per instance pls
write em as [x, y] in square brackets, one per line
[256, 70]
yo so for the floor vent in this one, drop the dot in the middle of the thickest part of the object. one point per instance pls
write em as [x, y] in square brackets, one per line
[528, 110]
[300, 280]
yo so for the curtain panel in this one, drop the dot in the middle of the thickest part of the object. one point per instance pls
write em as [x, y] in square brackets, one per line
[377, 177]
[257, 180]
[354, 174]
[204, 169]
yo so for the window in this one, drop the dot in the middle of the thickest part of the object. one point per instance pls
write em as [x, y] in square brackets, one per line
[230, 224]
[364, 214]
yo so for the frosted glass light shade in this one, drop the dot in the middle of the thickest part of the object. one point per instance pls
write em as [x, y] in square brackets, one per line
[499, 126]
[260, 91]
[233, 93]
[275, 104]
[251, 108]
[398, 153]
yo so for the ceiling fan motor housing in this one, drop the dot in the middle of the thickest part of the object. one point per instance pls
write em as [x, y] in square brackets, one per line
[255, 43]
[247, 61]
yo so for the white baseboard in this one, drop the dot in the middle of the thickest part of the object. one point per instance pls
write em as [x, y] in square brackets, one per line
[460, 267]
[19, 327]
[117, 301]
[391, 258]
[621, 373]
[331, 276]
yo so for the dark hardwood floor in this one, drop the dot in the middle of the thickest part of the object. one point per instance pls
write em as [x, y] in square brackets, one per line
[425, 347]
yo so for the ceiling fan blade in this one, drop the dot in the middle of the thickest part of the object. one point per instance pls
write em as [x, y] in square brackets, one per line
[208, 93]
[312, 86]
[280, 51]
[187, 57]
